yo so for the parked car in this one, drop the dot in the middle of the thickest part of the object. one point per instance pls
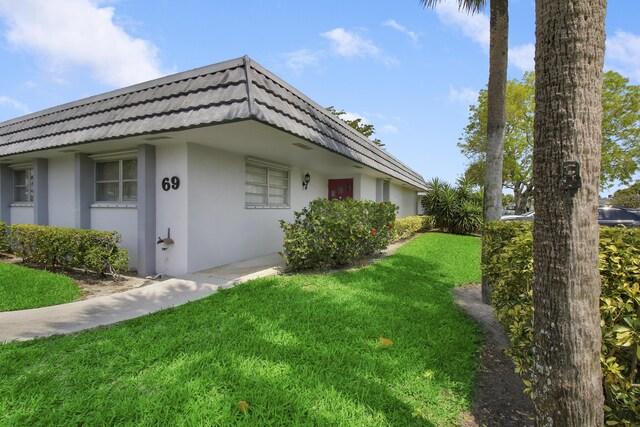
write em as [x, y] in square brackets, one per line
[524, 217]
[618, 217]
[611, 216]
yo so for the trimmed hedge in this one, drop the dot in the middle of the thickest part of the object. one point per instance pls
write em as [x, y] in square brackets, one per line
[509, 268]
[408, 226]
[60, 247]
[333, 233]
[4, 237]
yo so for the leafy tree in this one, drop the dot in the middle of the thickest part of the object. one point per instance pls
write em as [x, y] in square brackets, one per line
[364, 128]
[496, 100]
[508, 200]
[518, 143]
[620, 134]
[567, 377]
[628, 197]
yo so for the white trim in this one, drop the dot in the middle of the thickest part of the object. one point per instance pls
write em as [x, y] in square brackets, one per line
[21, 166]
[21, 204]
[263, 162]
[113, 205]
[120, 155]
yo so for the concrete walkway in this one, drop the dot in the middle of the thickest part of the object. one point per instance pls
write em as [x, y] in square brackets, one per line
[25, 325]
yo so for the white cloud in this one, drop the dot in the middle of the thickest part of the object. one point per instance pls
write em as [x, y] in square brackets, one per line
[353, 116]
[69, 33]
[349, 44]
[623, 49]
[464, 95]
[413, 36]
[475, 27]
[16, 105]
[523, 56]
[300, 59]
[389, 129]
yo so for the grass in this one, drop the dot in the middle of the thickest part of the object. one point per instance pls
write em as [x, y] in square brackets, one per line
[300, 350]
[22, 288]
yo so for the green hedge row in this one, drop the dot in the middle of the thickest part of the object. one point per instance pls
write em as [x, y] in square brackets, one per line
[333, 233]
[4, 237]
[408, 226]
[59, 247]
[509, 268]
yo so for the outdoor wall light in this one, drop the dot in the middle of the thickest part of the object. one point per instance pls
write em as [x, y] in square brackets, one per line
[306, 180]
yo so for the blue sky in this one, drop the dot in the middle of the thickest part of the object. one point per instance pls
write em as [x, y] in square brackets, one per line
[410, 72]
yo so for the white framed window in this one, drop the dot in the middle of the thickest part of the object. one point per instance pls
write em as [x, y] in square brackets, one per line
[266, 185]
[117, 181]
[23, 185]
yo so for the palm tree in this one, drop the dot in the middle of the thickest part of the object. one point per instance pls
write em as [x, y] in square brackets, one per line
[567, 377]
[496, 106]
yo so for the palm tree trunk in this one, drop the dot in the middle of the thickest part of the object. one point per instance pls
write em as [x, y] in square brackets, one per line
[567, 378]
[496, 107]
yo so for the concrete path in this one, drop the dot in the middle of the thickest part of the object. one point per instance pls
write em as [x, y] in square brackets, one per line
[24, 325]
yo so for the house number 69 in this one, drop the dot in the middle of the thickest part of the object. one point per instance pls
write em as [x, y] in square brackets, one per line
[170, 183]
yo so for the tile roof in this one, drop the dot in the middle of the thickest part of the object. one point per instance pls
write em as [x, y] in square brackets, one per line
[234, 90]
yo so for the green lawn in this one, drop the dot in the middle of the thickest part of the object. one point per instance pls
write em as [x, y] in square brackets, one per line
[301, 350]
[22, 288]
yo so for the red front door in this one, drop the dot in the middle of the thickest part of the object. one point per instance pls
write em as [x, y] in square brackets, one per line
[340, 188]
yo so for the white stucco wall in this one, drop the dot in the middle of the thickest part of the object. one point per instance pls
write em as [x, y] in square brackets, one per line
[221, 229]
[61, 189]
[405, 198]
[172, 209]
[21, 214]
[367, 188]
[124, 220]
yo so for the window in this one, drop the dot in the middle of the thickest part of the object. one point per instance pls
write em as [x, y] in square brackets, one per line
[23, 185]
[266, 186]
[117, 181]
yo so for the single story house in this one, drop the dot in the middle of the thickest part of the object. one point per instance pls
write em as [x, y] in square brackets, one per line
[213, 156]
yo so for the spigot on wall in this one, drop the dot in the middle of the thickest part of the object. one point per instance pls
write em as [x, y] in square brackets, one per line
[167, 240]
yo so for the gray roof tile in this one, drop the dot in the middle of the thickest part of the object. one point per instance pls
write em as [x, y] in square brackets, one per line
[209, 95]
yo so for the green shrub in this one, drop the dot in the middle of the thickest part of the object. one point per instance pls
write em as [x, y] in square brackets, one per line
[454, 209]
[4, 237]
[408, 226]
[60, 247]
[509, 268]
[331, 233]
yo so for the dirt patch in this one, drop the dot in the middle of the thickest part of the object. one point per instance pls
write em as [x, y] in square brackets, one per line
[92, 285]
[499, 397]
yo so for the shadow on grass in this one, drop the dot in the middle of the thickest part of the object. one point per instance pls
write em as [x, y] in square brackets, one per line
[302, 350]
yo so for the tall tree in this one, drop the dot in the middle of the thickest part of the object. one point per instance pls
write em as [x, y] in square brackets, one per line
[498, 61]
[567, 378]
[620, 135]
[518, 140]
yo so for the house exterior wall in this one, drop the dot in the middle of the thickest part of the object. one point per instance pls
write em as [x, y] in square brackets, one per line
[172, 209]
[367, 187]
[61, 192]
[221, 228]
[207, 217]
[124, 220]
[405, 199]
[21, 214]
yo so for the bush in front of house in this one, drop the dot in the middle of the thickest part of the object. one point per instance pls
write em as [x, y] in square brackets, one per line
[509, 269]
[4, 237]
[456, 209]
[408, 226]
[334, 233]
[66, 248]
